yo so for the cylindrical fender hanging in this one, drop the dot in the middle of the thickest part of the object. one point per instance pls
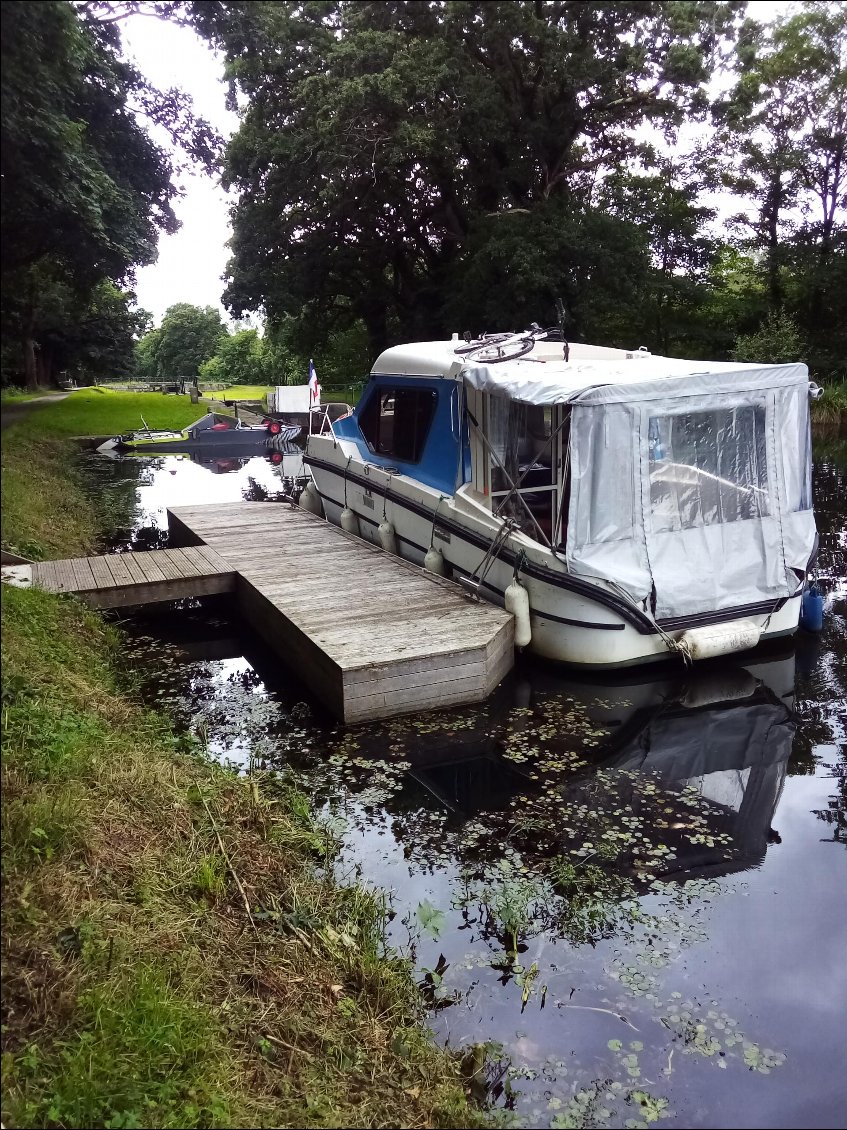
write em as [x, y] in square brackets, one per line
[349, 521]
[310, 500]
[387, 537]
[434, 561]
[811, 609]
[517, 602]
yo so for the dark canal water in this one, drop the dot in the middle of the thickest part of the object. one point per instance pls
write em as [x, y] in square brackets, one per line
[634, 890]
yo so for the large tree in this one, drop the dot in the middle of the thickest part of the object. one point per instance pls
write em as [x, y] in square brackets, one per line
[787, 120]
[188, 337]
[379, 138]
[86, 191]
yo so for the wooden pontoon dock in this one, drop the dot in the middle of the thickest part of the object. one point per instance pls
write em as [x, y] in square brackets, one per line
[371, 635]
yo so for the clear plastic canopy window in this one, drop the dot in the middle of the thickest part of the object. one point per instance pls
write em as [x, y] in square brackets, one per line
[693, 502]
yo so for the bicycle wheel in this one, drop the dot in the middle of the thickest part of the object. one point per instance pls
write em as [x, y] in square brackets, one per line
[509, 350]
[477, 343]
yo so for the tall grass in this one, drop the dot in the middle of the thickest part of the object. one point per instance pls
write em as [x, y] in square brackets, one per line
[830, 409]
[176, 953]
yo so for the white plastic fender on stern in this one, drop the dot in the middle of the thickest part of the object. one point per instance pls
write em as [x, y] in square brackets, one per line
[310, 500]
[722, 639]
[349, 521]
[434, 561]
[517, 602]
[387, 537]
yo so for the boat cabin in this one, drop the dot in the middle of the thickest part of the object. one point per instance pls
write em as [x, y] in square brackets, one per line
[683, 482]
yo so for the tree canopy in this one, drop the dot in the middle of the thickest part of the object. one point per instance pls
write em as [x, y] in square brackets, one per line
[403, 170]
[419, 168]
[188, 338]
[86, 191]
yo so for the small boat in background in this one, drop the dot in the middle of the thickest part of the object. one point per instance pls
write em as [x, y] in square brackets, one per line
[213, 429]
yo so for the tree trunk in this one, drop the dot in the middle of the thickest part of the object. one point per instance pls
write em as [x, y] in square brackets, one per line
[45, 368]
[376, 323]
[30, 363]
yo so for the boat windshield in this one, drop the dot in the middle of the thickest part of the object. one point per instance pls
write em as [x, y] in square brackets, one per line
[517, 458]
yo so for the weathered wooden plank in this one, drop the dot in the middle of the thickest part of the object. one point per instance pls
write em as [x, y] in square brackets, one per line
[133, 568]
[390, 682]
[83, 577]
[158, 592]
[54, 576]
[418, 667]
[380, 623]
[501, 665]
[413, 699]
[205, 560]
[149, 566]
[119, 571]
[169, 564]
[305, 591]
[101, 572]
[416, 634]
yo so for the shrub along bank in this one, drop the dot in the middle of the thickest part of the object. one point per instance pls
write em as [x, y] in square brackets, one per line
[175, 951]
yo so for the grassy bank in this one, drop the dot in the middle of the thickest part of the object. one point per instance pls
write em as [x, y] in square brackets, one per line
[46, 512]
[101, 411]
[173, 953]
[239, 392]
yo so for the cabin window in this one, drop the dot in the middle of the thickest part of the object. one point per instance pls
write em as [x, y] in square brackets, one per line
[708, 468]
[396, 422]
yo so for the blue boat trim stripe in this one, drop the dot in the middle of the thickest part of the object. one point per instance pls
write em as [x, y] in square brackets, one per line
[641, 622]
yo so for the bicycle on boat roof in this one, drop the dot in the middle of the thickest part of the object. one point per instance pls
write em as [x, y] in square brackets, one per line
[492, 348]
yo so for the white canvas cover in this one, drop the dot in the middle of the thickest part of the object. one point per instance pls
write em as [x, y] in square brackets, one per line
[636, 377]
[693, 493]
[290, 398]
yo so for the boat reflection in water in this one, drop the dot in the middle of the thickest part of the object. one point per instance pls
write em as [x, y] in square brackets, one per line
[713, 747]
[220, 460]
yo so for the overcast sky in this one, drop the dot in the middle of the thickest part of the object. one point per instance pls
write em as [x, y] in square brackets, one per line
[192, 261]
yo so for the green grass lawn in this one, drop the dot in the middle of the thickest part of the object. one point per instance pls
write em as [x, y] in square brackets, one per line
[348, 395]
[240, 392]
[98, 411]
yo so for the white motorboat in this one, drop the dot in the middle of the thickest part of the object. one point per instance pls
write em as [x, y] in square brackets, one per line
[635, 506]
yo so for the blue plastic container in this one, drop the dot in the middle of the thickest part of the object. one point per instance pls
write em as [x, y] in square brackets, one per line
[811, 609]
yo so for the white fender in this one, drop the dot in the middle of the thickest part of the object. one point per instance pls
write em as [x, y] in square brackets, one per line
[722, 639]
[517, 602]
[310, 500]
[387, 538]
[434, 561]
[349, 521]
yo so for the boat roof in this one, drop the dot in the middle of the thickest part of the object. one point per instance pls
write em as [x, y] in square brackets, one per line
[591, 372]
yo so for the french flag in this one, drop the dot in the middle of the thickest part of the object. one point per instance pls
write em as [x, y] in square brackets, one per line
[314, 387]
